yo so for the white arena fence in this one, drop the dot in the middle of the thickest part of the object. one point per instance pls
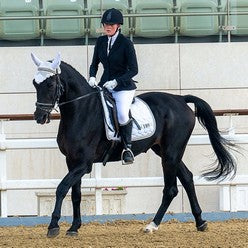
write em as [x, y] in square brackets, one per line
[228, 193]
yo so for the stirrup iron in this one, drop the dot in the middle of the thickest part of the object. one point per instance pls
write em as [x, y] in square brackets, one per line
[127, 150]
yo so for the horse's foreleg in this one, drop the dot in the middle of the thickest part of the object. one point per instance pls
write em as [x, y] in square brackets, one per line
[68, 181]
[76, 200]
[186, 178]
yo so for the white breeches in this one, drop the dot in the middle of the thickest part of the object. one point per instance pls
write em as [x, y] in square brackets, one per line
[123, 101]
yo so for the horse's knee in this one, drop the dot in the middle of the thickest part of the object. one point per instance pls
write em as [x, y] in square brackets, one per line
[171, 192]
[61, 191]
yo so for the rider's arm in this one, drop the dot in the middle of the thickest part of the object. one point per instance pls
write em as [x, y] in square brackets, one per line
[131, 64]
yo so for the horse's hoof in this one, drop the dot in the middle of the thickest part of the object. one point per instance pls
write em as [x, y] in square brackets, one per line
[72, 233]
[53, 232]
[151, 228]
[202, 227]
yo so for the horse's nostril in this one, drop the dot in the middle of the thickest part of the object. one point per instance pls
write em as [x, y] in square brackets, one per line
[41, 117]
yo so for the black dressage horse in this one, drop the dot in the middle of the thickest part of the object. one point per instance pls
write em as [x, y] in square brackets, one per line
[82, 138]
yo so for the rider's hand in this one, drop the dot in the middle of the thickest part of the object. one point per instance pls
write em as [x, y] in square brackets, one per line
[92, 82]
[110, 85]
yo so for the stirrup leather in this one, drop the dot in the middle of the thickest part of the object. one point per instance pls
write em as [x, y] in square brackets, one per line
[127, 150]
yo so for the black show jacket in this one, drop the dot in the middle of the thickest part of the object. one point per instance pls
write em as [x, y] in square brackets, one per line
[120, 64]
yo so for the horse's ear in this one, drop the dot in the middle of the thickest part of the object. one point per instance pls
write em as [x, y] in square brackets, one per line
[36, 60]
[56, 61]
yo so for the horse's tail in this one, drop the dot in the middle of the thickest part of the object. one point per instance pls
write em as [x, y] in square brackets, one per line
[225, 161]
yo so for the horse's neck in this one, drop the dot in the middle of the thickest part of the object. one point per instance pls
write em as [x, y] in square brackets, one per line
[74, 88]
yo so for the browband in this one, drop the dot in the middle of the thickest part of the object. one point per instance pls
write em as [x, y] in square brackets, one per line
[47, 69]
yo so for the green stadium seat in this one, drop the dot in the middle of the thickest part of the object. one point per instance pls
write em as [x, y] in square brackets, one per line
[96, 9]
[199, 25]
[239, 21]
[19, 29]
[153, 27]
[64, 28]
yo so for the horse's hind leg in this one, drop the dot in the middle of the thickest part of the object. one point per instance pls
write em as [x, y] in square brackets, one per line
[168, 194]
[186, 178]
[76, 200]
[171, 150]
[170, 161]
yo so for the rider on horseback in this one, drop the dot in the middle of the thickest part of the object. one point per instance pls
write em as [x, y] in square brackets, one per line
[117, 55]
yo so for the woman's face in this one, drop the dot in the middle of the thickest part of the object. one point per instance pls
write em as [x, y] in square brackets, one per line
[110, 29]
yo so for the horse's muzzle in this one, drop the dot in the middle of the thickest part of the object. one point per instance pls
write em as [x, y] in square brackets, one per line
[41, 116]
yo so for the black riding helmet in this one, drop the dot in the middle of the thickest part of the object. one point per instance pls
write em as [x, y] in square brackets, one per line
[112, 16]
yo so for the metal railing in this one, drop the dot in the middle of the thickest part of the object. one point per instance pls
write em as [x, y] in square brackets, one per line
[227, 194]
[56, 116]
[227, 13]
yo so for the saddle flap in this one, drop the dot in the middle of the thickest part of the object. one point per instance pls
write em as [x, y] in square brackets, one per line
[144, 122]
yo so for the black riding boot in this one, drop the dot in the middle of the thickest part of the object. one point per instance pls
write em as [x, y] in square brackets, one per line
[126, 135]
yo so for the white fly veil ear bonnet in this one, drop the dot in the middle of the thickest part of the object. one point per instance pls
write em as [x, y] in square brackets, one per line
[46, 69]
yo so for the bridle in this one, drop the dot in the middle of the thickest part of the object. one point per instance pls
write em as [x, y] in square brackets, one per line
[48, 107]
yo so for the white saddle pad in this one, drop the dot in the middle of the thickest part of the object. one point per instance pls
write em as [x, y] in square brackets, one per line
[141, 113]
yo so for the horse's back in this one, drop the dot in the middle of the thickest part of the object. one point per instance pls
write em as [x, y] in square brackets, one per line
[166, 101]
[169, 109]
[160, 98]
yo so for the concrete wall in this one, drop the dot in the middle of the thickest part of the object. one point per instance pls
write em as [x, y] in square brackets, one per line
[215, 72]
